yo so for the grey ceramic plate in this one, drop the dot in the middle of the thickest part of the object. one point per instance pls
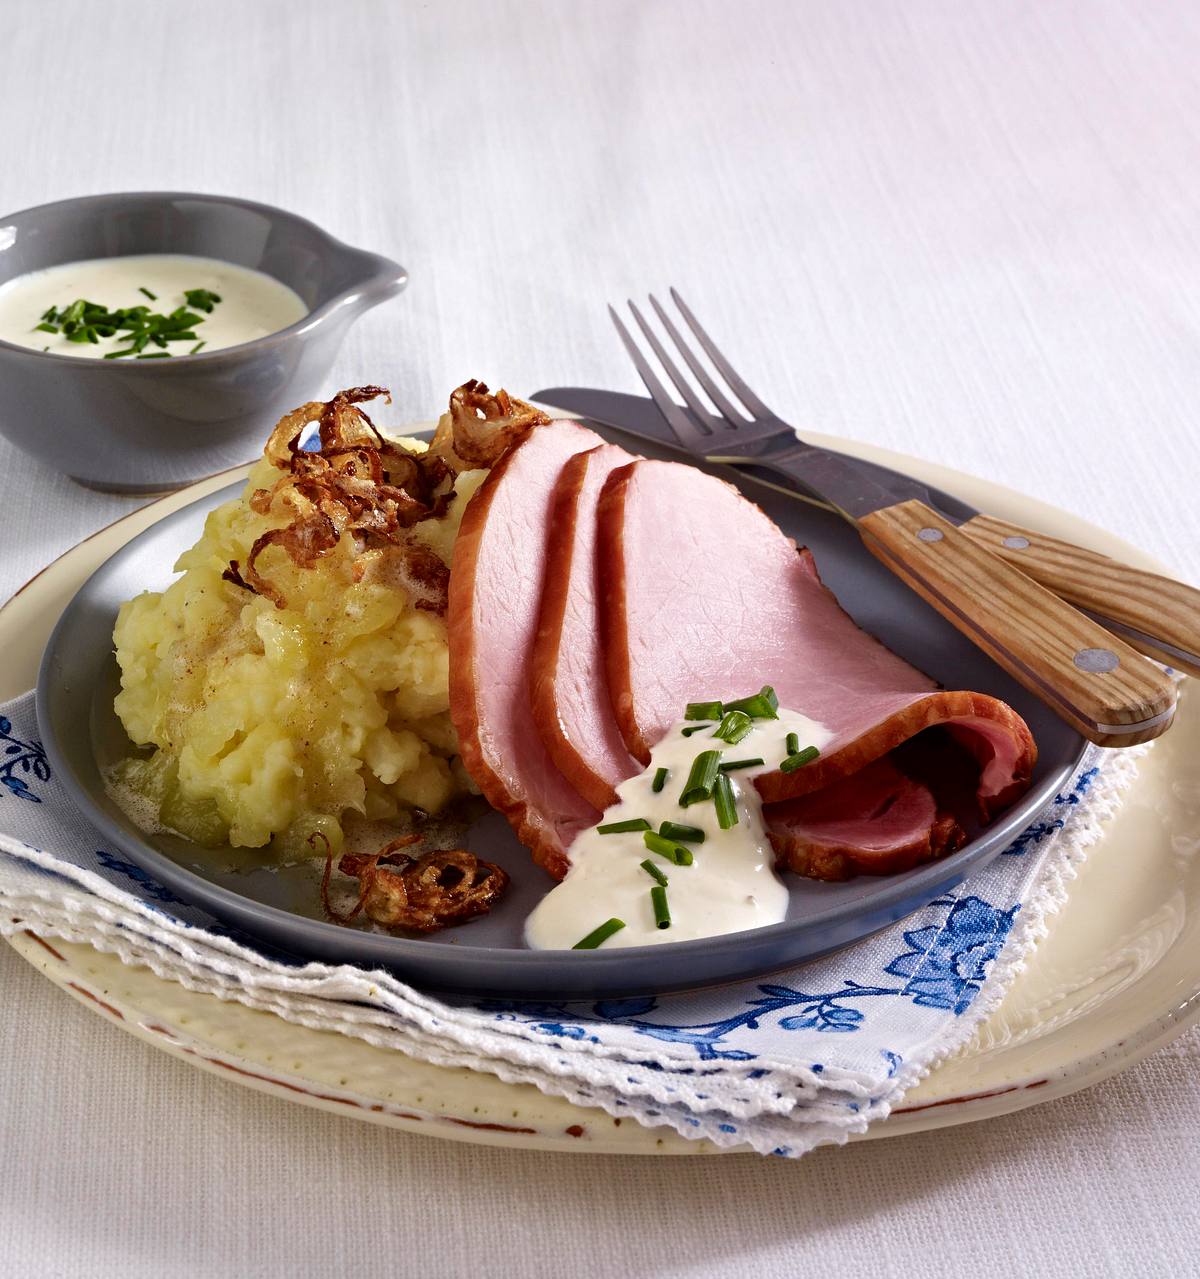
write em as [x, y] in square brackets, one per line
[79, 678]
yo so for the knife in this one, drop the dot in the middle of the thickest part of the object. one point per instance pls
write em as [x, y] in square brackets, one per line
[1151, 613]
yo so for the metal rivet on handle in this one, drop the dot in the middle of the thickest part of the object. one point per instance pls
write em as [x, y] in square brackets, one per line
[1015, 543]
[1099, 661]
[930, 534]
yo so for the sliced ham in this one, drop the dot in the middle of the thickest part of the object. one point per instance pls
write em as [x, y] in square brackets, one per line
[704, 597]
[571, 704]
[495, 589]
[876, 821]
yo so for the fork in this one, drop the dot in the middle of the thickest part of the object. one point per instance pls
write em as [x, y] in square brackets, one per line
[1086, 674]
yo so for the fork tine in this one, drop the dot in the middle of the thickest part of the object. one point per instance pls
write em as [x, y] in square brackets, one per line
[718, 397]
[677, 419]
[740, 389]
[682, 385]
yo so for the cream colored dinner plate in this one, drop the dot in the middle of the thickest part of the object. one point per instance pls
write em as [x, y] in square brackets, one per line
[1116, 978]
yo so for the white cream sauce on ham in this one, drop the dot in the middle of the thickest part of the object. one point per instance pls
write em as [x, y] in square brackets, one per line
[731, 884]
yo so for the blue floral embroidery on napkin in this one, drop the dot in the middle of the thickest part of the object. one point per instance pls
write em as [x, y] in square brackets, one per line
[150, 886]
[1033, 835]
[29, 757]
[946, 966]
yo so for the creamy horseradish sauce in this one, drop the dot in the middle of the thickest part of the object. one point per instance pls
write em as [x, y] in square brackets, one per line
[230, 304]
[730, 885]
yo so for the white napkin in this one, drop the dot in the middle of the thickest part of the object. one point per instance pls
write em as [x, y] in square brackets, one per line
[781, 1065]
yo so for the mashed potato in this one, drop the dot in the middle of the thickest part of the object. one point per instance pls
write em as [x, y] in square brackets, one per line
[270, 723]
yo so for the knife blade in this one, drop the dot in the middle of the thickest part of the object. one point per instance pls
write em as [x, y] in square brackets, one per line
[1153, 614]
[638, 415]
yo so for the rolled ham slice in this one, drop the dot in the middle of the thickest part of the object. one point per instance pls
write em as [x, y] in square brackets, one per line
[571, 704]
[874, 822]
[495, 590]
[704, 597]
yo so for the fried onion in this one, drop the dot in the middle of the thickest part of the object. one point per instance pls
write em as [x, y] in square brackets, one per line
[480, 427]
[423, 893]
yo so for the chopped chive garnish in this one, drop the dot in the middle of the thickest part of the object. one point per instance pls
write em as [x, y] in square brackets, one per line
[83, 321]
[793, 744]
[701, 778]
[652, 870]
[619, 828]
[152, 296]
[695, 728]
[598, 936]
[724, 803]
[763, 705]
[155, 355]
[735, 764]
[45, 328]
[201, 299]
[660, 779]
[196, 349]
[118, 355]
[703, 710]
[733, 727]
[662, 912]
[680, 854]
[799, 759]
[674, 830]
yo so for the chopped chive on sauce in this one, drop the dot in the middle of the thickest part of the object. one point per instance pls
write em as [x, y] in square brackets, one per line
[598, 936]
[703, 710]
[619, 828]
[763, 705]
[680, 854]
[799, 759]
[674, 830]
[701, 779]
[662, 912]
[197, 348]
[652, 870]
[724, 803]
[660, 779]
[733, 727]
[734, 764]
[793, 744]
[201, 299]
[695, 728]
[139, 326]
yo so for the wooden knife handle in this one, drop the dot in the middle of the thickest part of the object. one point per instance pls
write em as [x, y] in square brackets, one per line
[1094, 680]
[1155, 615]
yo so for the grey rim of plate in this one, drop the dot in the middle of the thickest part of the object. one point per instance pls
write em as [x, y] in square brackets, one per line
[78, 677]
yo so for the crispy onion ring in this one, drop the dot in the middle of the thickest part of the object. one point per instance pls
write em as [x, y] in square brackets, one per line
[398, 889]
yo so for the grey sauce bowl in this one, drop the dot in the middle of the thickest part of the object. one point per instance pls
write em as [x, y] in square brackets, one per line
[149, 426]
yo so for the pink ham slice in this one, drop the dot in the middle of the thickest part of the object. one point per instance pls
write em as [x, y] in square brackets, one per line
[495, 590]
[571, 704]
[875, 822]
[705, 598]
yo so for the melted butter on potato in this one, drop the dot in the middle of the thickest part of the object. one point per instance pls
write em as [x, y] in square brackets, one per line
[273, 723]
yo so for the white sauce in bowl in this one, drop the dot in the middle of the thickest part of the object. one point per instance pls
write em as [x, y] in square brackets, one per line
[731, 884]
[252, 304]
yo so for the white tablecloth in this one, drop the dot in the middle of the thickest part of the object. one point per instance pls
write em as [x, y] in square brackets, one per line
[962, 229]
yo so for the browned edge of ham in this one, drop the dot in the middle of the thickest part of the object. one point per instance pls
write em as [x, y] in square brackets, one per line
[983, 723]
[614, 616]
[569, 689]
[495, 592]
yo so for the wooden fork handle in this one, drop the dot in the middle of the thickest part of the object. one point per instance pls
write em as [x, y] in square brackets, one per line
[1155, 615]
[1092, 679]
